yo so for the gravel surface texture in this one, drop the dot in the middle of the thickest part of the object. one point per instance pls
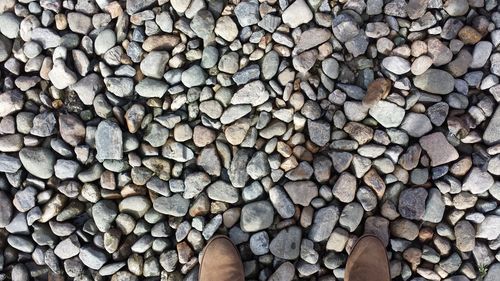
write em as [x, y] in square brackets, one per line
[133, 131]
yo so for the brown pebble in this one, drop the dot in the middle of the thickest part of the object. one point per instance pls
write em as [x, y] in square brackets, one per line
[461, 167]
[469, 35]
[160, 42]
[425, 234]
[377, 90]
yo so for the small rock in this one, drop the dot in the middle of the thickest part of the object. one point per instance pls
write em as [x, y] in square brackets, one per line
[5, 209]
[412, 203]
[396, 65]
[286, 245]
[297, 13]
[435, 81]
[109, 141]
[323, 224]
[489, 228]
[38, 161]
[256, 216]
[438, 148]
[92, 257]
[175, 205]
[465, 236]
[387, 114]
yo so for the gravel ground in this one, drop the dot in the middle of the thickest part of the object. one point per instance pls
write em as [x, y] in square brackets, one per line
[131, 132]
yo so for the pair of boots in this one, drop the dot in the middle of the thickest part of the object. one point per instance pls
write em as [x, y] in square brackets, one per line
[368, 261]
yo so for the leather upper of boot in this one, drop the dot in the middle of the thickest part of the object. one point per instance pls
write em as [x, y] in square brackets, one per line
[221, 261]
[368, 261]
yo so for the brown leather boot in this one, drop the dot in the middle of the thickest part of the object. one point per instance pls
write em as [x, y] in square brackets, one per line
[221, 261]
[368, 261]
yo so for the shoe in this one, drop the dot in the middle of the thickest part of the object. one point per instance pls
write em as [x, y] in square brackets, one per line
[221, 261]
[368, 261]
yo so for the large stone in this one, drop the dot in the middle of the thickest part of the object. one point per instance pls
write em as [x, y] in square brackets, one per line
[38, 161]
[222, 191]
[286, 245]
[10, 102]
[489, 228]
[175, 205]
[104, 213]
[93, 257]
[477, 181]
[387, 114]
[435, 207]
[297, 13]
[435, 81]
[345, 187]
[301, 192]
[108, 141]
[492, 133]
[323, 224]
[256, 216]
[465, 236]
[6, 209]
[438, 148]
[253, 93]
[412, 203]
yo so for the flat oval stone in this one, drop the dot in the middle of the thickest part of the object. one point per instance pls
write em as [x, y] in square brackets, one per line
[435, 81]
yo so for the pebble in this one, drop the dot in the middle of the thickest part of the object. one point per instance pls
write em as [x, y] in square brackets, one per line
[412, 203]
[222, 191]
[61, 76]
[109, 141]
[323, 223]
[6, 209]
[456, 8]
[344, 188]
[104, 41]
[286, 245]
[416, 124]
[253, 93]
[104, 213]
[256, 216]
[396, 65]
[438, 148]
[435, 81]
[387, 114]
[175, 205]
[301, 192]
[435, 207]
[297, 13]
[92, 257]
[488, 229]
[259, 243]
[465, 235]
[38, 161]
[491, 134]
[193, 76]
[247, 13]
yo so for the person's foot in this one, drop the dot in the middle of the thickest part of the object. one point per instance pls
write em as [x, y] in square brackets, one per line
[221, 261]
[368, 261]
